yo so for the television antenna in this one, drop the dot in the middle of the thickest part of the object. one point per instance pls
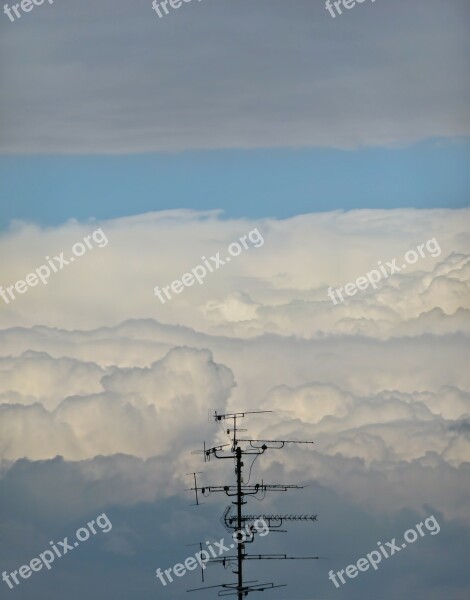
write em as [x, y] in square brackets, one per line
[233, 518]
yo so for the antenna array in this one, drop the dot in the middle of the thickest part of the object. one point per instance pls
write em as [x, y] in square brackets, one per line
[233, 518]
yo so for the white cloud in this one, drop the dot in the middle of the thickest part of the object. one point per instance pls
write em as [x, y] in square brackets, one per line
[141, 412]
[37, 377]
[280, 287]
[95, 369]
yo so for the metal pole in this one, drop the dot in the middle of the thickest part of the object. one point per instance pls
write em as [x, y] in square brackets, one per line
[239, 523]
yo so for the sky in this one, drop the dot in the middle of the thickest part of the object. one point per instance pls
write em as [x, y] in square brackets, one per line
[242, 205]
[252, 183]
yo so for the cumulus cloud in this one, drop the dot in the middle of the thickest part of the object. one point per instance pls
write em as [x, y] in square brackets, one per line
[268, 321]
[141, 412]
[280, 287]
[104, 390]
[389, 427]
[37, 377]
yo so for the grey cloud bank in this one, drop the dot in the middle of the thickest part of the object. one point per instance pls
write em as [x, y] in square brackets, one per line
[74, 84]
[57, 550]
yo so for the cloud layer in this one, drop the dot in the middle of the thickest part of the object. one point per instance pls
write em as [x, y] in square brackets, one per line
[104, 390]
[116, 78]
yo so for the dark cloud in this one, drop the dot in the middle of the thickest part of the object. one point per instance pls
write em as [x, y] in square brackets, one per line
[155, 533]
[113, 77]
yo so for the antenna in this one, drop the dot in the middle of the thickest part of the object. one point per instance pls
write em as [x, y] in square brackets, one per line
[200, 549]
[233, 518]
[195, 487]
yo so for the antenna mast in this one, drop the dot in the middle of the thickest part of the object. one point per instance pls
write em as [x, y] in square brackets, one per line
[235, 519]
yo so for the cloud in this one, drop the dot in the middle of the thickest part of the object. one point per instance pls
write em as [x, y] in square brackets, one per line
[105, 390]
[280, 287]
[140, 412]
[388, 427]
[37, 377]
[202, 77]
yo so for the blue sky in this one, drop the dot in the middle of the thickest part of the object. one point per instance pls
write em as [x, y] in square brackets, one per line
[243, 183]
